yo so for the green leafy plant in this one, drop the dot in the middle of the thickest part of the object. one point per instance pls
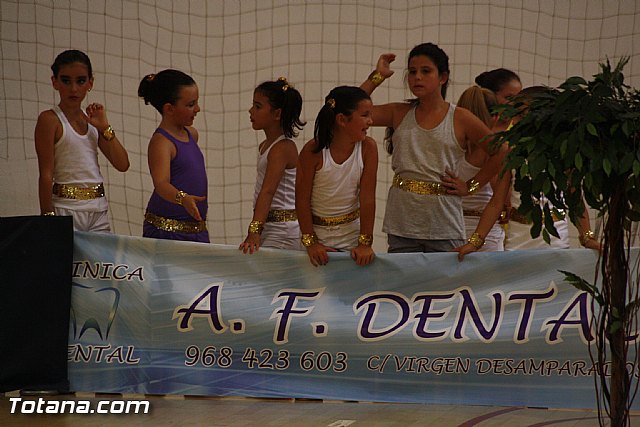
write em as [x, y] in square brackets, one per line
[581, 142]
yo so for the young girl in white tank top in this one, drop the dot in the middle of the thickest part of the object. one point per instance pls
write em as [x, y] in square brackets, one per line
[335, 187]
[275, 110]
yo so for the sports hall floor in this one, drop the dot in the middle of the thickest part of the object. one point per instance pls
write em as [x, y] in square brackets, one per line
[216, 412]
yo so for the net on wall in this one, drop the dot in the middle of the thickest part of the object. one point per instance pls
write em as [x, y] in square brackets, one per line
[229, 47]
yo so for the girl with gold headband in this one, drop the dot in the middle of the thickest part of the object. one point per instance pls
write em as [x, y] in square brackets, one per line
[336, 182]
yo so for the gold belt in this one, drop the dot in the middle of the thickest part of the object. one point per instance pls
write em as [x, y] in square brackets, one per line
[336, 220]
[282, 215]
[174, 225]
[518, 217]
[419, 187]
[80, 193]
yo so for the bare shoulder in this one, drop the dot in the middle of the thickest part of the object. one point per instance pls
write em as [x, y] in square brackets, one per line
[369, 144]
[48, 118]
[466, 117]
[159, 142]
[310, 147]
[194, 132]
[461, 113]
[285, 145]
[401, 107]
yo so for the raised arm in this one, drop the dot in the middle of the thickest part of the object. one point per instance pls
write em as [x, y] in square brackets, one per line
[108, 141]
[382, 72]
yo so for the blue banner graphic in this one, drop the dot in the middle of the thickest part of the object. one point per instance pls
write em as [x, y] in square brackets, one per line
[164, 317]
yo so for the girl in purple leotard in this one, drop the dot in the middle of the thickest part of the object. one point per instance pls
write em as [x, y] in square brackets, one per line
[177, 209]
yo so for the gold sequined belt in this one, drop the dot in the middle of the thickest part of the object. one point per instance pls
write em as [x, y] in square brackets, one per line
[282, 215]
[80, 193]
[419, 187]
[518, 217]
[336, 220]
[174, 225]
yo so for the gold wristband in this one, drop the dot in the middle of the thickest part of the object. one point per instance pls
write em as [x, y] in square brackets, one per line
[256, 227]
[476, 241]
[365, 239]
[586, 236]
[472, 186]
[108, 134]
[376, 78]
[180, 195]
[49, 213]
[309, 239]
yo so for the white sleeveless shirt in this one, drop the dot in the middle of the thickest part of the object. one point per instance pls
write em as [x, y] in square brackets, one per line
[285, 195]
[336, 191]
[281, 235]
[76, 163]
[336, 187]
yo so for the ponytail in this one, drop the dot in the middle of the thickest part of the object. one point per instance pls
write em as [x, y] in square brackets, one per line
[341, 100]
[282, 95]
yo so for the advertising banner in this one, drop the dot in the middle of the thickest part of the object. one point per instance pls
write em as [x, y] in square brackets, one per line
[167, 317]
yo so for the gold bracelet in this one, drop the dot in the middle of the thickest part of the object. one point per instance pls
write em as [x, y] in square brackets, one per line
[108, 134]
[309, 239]
[586, 236]
[256, 227]
[49, 213]
[472, 186]
[180, 195]
[365, 239]
[376, 78]
[476, 241]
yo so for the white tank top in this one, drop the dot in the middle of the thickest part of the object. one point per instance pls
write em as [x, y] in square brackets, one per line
[76, 156]
[285, 195]
[336, 187]
[76, 162]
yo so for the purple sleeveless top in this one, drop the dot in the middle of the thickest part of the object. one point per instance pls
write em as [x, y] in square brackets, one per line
[188, 173]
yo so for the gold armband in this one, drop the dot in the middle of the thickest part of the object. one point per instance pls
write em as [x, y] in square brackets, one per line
[472, 186]
[180, 195]
[256, 227]
[309, 239]
[108, 134]
[376, 78]
[365, 239]
[586, 236]
[49, 213]
[476, 241]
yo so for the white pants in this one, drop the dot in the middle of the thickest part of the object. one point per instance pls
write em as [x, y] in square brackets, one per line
[281, 235]
[342, 237]
[494, 241]
[519, 237]
[87, 221]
